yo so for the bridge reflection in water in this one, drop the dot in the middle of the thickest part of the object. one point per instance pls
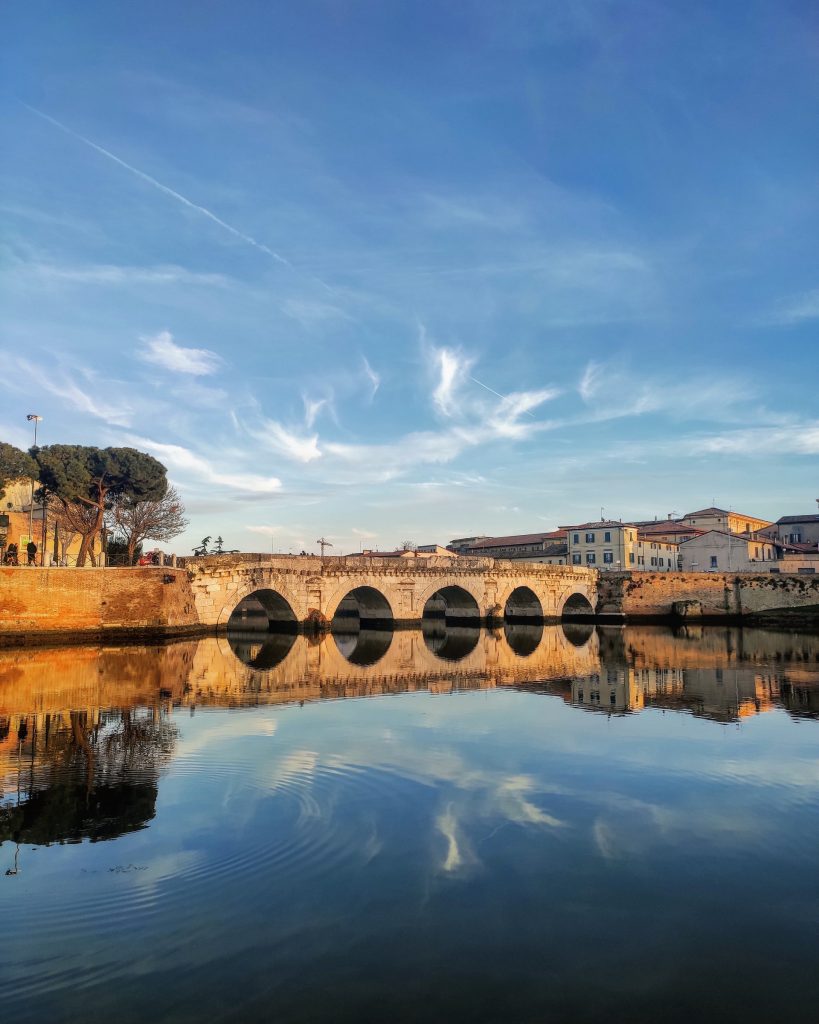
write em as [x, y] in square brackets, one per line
[85, 733]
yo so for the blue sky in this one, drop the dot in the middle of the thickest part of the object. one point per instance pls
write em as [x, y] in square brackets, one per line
[386, 271]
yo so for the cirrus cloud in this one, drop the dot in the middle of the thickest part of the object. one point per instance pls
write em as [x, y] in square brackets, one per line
[161, 350]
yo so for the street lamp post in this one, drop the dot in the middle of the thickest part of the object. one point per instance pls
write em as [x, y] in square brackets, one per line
[32, 417]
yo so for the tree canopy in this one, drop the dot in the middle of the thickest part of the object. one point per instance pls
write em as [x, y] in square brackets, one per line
[95, 477]
[14, 465]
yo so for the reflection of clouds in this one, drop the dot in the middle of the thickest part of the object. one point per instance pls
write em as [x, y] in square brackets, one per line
[458, 853]
[244, 726]
[469, 795]
[468, 788]
[483, 797]
[298, 765]
[626, 828]
[512, 797]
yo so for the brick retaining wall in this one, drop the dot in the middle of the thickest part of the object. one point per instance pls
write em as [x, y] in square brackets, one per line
[63, 601]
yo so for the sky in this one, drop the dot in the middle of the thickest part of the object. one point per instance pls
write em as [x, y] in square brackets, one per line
[386, 271]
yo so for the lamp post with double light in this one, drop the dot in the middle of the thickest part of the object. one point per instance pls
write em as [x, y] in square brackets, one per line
[32, 417]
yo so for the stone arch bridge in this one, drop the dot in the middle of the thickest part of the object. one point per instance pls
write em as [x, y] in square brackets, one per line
[311, 590]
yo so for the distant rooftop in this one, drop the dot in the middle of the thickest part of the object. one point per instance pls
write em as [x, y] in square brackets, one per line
[603, 524]
[520, 538]
[810, 518]
[714, 511]
[667, 526]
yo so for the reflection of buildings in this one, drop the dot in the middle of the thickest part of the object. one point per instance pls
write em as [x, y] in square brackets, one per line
[618, 690]
[721, 674]
[719, 694]
[71, 771]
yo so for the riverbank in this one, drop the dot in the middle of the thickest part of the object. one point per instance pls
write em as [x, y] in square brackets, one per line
[47, 606]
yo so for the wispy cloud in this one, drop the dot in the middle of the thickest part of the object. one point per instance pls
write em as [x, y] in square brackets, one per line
[118, 274]
[452, 368]
[799, 309]
[185, 461]
[373, 378]
[62, 385]
[312, 407]
[160, 187]
[796, 439]
[612, 390]
[309, 312]
[163, 351]
[505, 420]
[277, 438]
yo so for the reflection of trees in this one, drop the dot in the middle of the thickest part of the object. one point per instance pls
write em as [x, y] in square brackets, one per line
[79, 778]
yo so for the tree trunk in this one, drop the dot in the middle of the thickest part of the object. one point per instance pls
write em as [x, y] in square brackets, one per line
[132, 546]
[85, 544]
[88, 538]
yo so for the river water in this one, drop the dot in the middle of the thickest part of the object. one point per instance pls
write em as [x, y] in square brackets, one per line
[529, 824]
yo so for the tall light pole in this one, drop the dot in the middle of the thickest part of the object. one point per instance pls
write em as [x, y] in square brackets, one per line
[32, 417]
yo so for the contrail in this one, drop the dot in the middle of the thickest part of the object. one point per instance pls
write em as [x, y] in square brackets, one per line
[492, 391]
[162, 188]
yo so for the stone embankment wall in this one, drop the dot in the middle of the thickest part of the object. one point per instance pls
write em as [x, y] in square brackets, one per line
[709, 596]
[64, 602]
[38, 604]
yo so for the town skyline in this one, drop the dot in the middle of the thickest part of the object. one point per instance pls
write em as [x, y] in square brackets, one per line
[549, 264]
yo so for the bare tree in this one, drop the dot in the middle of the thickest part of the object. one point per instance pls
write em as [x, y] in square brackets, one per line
[138, 521]
[70, 519]
[408, 545]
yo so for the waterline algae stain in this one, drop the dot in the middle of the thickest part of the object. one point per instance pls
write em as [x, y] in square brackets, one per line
[532, 823]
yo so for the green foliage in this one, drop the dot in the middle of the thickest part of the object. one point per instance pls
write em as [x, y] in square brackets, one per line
[217, 549]
[78, 473]
[96, 477]
[118, 554]
[14, 465]
[63, 470]
[202, 549]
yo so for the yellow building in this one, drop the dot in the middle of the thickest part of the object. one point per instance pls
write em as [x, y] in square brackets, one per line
[18, 517]
[612, 545]
[723, 519]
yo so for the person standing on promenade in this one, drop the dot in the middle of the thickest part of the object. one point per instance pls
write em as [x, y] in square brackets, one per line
[31, 551]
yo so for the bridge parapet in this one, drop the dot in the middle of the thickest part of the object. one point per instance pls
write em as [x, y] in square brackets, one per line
[314, 587]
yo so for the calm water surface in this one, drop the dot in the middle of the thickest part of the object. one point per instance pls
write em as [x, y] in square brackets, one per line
[533, 824]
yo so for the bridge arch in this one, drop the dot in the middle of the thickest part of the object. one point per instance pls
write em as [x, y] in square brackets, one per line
[259, 651]
[451, 602]
[578, 634]
[364, 648]
[263, 609]
[361, 607]
[450, 642]
[523, 604]
[524, 637]
[577, 606]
